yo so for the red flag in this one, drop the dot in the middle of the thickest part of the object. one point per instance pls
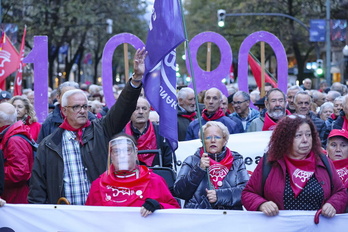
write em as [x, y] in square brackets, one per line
[256, 70]
[18, 80]
[9, 58]
[232, 73]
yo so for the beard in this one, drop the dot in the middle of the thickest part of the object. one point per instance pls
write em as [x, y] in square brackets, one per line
[277, 112]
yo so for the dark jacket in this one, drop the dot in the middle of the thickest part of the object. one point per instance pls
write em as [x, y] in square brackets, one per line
[192, 183]
[183, 123]
[252, 196]
[46, 185]
[53, 121]
[333, 124]
[166, 151]
[320, 125]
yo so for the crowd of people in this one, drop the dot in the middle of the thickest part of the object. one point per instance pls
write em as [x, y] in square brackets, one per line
[88, 152]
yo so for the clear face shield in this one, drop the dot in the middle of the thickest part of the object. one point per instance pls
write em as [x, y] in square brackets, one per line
[123, 154]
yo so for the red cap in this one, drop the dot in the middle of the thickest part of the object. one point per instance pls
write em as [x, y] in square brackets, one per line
[335, 132]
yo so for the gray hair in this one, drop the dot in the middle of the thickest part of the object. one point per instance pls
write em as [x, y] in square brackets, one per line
[183, 92]
[340, 98]
[245, 95]
[315, 94]
[295, 87]
[273, 90]
[69, 93]
[218, 90]
[303, 93]
[224, 129]
[8, 119]
[65, 84]
[324, 106]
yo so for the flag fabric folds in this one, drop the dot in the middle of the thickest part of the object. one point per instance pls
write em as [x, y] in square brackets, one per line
[256, 70]
[18, 79]
[9, 58]
[166, 32]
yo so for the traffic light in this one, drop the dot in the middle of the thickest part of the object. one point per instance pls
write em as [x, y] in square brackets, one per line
[221, 14]
[109, 26]
[319, 70]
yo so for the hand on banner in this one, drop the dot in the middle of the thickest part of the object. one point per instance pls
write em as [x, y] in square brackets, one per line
[149, 207]
[269, 208]
[211, 195]
[328, 210]
[205, 161]
[139, 66]
[2, 202]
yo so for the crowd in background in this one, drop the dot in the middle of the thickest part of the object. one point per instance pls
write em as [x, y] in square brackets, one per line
[215, 177]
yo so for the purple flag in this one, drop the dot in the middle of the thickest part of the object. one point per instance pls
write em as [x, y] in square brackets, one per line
[166, 32]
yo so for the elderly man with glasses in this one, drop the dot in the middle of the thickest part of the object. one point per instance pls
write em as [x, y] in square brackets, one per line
[242, 111]
[212, 112]
[75, 154]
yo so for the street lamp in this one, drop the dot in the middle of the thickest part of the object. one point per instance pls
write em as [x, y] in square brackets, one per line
[345, 54]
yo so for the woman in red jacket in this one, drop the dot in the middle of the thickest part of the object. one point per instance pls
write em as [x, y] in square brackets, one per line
[298, 179]
[126, 183]
[26, 113]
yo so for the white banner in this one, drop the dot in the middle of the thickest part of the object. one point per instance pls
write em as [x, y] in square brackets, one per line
[250, 145]
[21, 218]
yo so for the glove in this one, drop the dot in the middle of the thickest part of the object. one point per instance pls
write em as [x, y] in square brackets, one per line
[151, 205]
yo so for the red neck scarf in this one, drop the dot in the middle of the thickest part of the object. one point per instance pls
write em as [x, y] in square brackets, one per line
[269, 124]
[146, 141]
[124, 191]
[333, 116]
[345, 123]
[300, 171]
[190, 116]
[219, 170]
[79, 132]
[342, 170]
[218, 114]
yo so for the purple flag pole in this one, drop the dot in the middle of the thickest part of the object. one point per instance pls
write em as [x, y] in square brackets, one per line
[188, 55]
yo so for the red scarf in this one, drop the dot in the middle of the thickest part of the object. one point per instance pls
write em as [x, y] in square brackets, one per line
[124, 191]
[342, 170]
[300, 171]
[269, 124]
[345, 123]
[146, 141]
[190, 116]
[333, 116]
[66, 126]
[218, 114]
[219, 170]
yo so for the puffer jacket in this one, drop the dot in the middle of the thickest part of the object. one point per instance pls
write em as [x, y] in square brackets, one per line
[46, 185]
[192, 183]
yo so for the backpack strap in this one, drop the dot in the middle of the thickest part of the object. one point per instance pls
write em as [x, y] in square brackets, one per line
[266, 169]
[31, 142]
[328, 168]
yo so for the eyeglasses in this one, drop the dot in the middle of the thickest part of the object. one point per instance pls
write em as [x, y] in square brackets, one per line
[77, 108]
[293, 116]
[238, 102]
[215, 137]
